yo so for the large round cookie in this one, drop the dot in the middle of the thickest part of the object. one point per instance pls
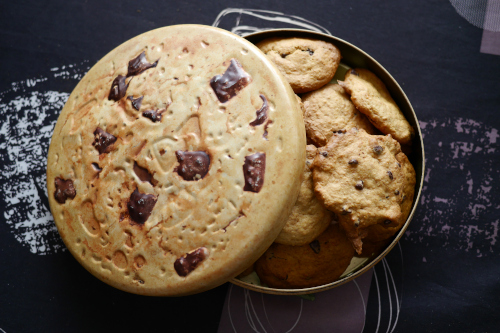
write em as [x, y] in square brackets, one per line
[175, 161]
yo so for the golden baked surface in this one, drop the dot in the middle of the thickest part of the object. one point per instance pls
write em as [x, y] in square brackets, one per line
[175, 161]
[308, 218]
[320, 262]
[370, 96]
[363, 179]
[306, 63]
[330, 110]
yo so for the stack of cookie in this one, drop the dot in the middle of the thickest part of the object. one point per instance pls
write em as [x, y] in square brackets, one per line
[358, 185]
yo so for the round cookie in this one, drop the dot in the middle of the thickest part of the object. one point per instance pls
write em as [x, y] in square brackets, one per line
[308, 218]
[176, 161]
[371, 97]
[378, 233]
[330, 110]
[361, 178]
[307, 64]
[320, 262]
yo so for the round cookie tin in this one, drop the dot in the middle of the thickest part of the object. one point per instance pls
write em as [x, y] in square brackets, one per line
[352, 57]
[175, 161]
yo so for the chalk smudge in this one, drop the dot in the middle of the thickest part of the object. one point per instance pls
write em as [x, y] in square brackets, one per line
[27, 120]
[459, 203]
[242, 21]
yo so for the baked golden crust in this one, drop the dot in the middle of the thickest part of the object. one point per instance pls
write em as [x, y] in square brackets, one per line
[320, 262]
[183, 197]
[308, 218]
[330, 110]
[362, 178]
[371, 97]
[306, 63]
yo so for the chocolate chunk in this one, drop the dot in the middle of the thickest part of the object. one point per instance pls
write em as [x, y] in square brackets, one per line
[261, 113]
[143, 174]
[139, 64]
[253, 171]
[283, 55]
[387, 222]
[136, 102]
[269, 122]
[154, 115]
[118, 88]
[396, 192]
[353, 162]
[97, 169]
[346, 211]
[359, 185]
[186, 264]
[315, 246]
[353, 72]
[64, 190]
[356, 224]
[378, 149]
[311, 52]
[324, 154]
[389, 173]
[140, 206]
[193, 165]
[227, 85]
[103, 141]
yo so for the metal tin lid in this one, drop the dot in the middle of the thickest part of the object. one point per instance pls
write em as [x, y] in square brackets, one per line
[175, 161]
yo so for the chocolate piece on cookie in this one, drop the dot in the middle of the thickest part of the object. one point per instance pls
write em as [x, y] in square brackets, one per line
[64, 190]
[234, 79]
[370, 96]
[307, 64]
[308, 218]
[320, 262]
[363, 194]
[330, 110]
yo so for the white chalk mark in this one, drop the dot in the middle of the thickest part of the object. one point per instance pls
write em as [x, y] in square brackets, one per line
[248, 313]
[384, 263]
[265, 312]
[398, 305]
[364, 305]
[493, 135]
[265, 15]
[467, 150]
[229, 307]
[255, 313]
[298, 318]
[378, 295]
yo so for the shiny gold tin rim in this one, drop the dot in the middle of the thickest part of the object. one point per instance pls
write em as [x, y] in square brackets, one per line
[355, 57]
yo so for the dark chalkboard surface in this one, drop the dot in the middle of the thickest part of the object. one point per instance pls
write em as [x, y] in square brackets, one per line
[442, 277]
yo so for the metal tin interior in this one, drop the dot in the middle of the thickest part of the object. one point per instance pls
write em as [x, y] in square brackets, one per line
[353, 56]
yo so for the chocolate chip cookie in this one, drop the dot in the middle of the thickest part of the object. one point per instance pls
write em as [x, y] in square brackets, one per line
[330, 110]
[308, 218]
[307, 64]
[363, 178]
[378, 233]
[320, 262]
[176, 161]
[370, 96]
